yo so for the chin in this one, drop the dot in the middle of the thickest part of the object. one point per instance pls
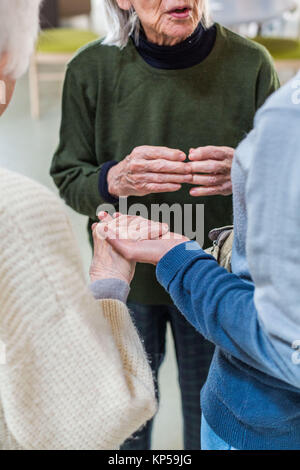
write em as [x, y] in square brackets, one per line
[181, 31]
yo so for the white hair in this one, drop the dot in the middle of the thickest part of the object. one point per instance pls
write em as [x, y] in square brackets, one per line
[122, 23]
[18, 33]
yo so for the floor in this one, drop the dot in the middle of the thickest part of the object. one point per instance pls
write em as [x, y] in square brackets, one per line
[27, 146]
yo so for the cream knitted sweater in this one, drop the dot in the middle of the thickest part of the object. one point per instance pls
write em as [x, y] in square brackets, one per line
[75, 375]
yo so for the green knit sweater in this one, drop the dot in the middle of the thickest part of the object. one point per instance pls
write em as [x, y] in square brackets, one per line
[114, 101]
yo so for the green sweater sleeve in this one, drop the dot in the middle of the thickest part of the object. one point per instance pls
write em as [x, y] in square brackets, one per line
[75, 169]
[268, 81]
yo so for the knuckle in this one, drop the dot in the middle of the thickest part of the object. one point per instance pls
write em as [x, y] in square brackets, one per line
[141, 150]
[213, 180]
[158, 179]
[214, 191]
[136, 151]
[134, 165]
[158, 165]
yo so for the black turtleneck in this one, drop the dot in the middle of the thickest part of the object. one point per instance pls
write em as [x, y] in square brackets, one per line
[186, 54]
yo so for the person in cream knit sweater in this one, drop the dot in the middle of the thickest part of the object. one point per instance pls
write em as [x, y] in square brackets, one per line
[73, 371]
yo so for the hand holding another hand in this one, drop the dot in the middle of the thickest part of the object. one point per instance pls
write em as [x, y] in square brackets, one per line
[150, 247]
[107, 262]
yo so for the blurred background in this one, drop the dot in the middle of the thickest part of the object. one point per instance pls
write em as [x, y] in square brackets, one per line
[29, 130]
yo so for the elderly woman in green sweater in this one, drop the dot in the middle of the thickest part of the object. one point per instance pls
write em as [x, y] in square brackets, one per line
[153, 113]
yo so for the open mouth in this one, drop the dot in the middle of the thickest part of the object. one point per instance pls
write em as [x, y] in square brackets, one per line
[180, 13]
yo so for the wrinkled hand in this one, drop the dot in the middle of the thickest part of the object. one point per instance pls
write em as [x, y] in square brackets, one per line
[149, 170]
[148, 249]
[126, 227]
[211, 168]
[108, 263]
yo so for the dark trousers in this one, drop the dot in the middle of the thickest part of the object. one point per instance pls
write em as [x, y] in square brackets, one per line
[193, 355]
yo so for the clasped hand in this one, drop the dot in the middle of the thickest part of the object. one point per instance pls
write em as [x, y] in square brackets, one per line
[109, 262]
[121, 241]
[149, 170]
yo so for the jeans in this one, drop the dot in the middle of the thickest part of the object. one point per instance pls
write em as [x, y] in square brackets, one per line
[193, 355]
[210, 440]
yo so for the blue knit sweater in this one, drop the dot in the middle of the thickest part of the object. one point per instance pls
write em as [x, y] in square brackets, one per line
[252, 395]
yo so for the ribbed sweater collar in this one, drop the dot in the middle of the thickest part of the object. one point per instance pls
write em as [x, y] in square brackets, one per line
[186, 54]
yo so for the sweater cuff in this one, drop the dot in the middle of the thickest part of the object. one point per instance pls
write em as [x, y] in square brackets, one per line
[176, 259]
[110, 289]
[102, 183]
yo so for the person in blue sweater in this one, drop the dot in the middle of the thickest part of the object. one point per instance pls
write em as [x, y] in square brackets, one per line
[251, 399]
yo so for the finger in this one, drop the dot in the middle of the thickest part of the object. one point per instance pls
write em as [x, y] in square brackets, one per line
[124, 220]
[213, 180]
[211, 166]
[211, 153]
[94, 232]
[105, 230]
[224, 190]
[139, 228]
[149, 230]
[138, 223]
[150, 153]
[132, 228]
[104, 216]
[107, 222]
[159, 166]
[162, 178]
[119, 227]
[161, 188]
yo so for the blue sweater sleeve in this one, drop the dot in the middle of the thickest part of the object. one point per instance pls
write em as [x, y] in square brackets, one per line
[219, 305]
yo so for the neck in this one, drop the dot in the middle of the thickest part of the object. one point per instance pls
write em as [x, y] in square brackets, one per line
[184, 54]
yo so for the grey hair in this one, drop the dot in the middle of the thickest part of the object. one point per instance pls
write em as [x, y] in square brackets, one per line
[122, 23]
[18, 32]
